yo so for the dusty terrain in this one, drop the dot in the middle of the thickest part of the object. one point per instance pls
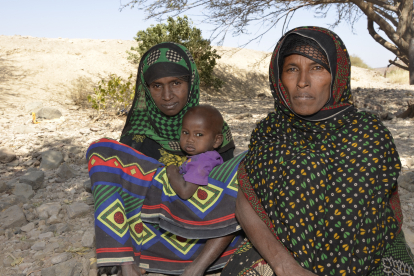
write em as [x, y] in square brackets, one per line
[49, 225]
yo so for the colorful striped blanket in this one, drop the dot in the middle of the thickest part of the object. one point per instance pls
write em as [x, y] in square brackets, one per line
[138, 216]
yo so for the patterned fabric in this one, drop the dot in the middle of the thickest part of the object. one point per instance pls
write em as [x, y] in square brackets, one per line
[145, 118]
[138, 216]
[323, 185]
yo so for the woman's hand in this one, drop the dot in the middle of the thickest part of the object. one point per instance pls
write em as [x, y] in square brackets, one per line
[278, 258]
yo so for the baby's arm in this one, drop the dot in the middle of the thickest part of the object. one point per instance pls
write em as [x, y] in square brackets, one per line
[182, 188]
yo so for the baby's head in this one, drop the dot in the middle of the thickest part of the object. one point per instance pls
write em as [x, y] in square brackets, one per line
[201, 130]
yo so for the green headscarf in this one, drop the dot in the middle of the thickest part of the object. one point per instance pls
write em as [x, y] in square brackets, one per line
[145, 118]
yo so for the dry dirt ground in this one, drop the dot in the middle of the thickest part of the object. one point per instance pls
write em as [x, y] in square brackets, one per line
[45, 71]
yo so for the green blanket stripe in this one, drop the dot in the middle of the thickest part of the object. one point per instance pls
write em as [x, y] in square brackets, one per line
[107, 191]
[222, 172]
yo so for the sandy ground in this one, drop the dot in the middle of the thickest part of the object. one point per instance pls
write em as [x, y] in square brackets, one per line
[45, 70]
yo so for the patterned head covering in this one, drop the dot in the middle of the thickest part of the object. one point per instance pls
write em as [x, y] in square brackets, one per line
[323, 184]
[144, 118]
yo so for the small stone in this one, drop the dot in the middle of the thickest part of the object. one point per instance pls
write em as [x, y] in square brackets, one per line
[68, 268]
[53, 220]
[47, 210]
[77, 209]
[62, 257]
[242, 116]
[46, 235]
[9, 234]
[13, 217]
[404, 135]
[13, 163]
[3, 186]
[87, 185]
[65, 172]
[88, 239]
[51, 160]
[33, 107]
[28, 227]
[34, 234]
[23, 190]
[49, 113]
[33, 178]
[38, 246]
[7, 155]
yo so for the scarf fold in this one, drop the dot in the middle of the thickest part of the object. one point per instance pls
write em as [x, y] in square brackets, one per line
[144, 118]
[325, 181]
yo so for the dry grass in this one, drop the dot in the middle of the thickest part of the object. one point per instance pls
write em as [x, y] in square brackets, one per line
[399, 76]
[79, 90]
[358, 62]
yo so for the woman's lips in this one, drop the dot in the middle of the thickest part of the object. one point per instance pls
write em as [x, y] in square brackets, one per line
[303, 97]
[170, 106]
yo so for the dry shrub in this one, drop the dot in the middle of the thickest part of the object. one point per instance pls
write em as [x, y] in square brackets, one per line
[358, 62]
[399, 76]
[80, 89]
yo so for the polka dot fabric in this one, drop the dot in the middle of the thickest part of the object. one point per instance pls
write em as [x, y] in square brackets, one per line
[325, 185]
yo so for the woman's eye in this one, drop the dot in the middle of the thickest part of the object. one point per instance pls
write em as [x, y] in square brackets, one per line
[292, 69]
[176, 83]
[318, 67]
[156, 85]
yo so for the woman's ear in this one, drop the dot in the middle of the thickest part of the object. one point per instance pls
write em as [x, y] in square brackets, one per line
[218, 140]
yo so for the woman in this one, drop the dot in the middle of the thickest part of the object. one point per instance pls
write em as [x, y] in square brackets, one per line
[167, 86]
[318, 191]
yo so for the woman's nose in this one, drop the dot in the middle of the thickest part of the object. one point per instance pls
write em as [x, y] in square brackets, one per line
[166, 93]
[303, 80]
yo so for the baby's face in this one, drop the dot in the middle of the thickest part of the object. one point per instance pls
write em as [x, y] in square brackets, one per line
[197, 135]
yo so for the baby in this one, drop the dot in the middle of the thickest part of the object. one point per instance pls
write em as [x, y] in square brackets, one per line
[201, 134]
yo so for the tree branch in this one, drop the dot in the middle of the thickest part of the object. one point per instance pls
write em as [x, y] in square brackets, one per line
[398, 65]
[389, 46]
[386, 15]
[384, 5]
[382, 23]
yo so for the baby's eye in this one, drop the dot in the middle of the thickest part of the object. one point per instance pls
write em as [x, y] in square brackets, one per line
[184, 132]
[199, 134]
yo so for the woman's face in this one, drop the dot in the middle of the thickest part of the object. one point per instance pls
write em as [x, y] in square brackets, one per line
[307, 83]
[170, 94]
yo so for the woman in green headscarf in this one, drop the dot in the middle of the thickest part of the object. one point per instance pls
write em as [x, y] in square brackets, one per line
[318, 188]
[128, 186]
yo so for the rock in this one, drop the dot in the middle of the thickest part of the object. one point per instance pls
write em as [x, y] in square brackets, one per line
[11, 200]
[13, 163]
[33, 107]
[51, 160]
[77, 209]
[13, 217]
[88, 239]
[25, 190]
[47, 210]
[46, 235]
[53, 220]
[49, 113]
[7, 155]
[34, 234]
[65, 172]
[24, 129]
[242, 116]
[62, 257]
[62, 228]
[38, 246]
[406, 181]
[28, 227]
[3, 186]
[87, 185]
[9, 234]
[33, 178]
[68, 268]
[404, 135]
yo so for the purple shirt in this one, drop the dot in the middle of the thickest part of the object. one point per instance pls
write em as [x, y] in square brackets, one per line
[197, 167]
